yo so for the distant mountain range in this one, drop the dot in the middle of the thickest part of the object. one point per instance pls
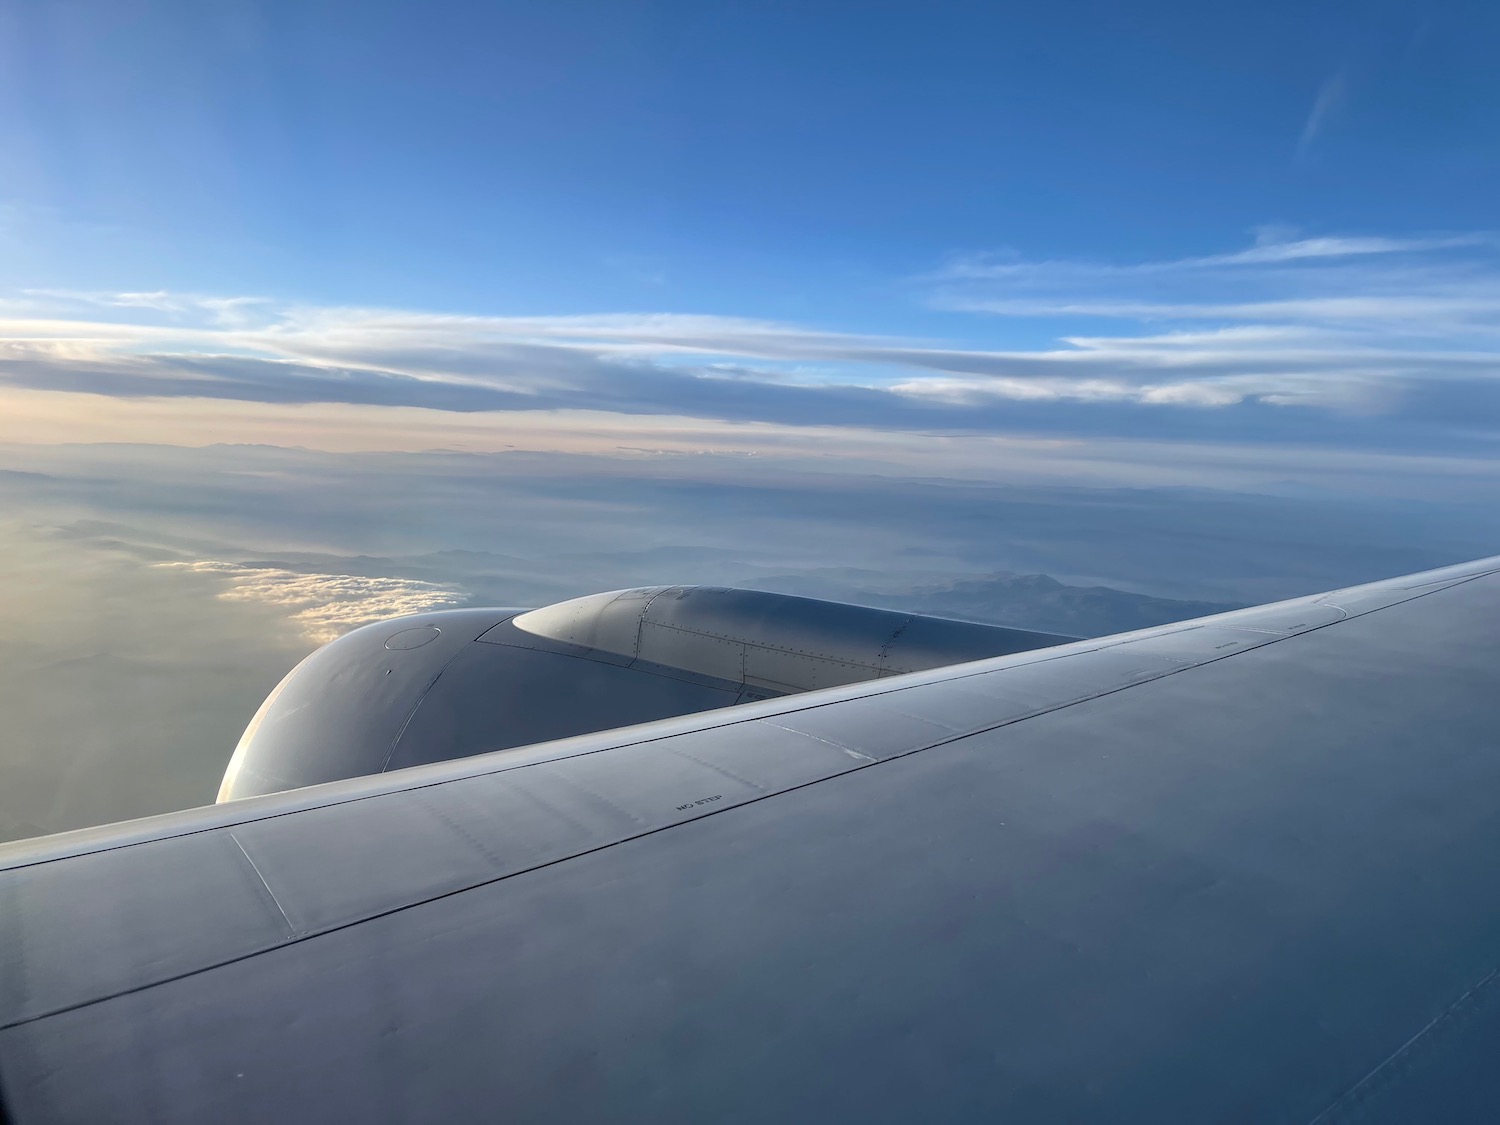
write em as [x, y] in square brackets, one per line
[1024, 601]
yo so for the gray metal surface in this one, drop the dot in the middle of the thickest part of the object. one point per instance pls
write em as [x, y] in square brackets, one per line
[1233, 871]
[437, 686]
[370, 681]
[778, 642]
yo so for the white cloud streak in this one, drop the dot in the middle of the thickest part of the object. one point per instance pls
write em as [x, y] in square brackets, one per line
[1331, 97]
[1350, 323]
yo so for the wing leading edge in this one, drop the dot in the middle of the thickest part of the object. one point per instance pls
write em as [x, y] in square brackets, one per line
[1230, 869]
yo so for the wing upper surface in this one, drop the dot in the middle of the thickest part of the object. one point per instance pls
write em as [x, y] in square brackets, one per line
[1161, 846]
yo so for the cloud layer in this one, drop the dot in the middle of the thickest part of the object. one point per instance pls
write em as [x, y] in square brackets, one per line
[1367, 340]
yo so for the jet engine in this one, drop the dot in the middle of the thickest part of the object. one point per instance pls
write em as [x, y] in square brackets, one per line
[444, 685]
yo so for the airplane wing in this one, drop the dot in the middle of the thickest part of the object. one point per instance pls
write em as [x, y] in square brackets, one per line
[1234, 869]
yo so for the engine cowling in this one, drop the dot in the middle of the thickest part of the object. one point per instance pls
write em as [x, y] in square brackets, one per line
[438, 686]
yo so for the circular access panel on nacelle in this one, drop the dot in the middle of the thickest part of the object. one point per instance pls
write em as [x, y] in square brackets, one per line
[413, 638]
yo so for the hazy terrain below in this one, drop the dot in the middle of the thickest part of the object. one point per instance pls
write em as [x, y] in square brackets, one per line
[150, 597]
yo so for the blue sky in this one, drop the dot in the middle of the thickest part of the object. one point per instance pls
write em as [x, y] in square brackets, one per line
[1237, 222]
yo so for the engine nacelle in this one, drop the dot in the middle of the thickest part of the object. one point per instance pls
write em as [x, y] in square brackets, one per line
[438, 686]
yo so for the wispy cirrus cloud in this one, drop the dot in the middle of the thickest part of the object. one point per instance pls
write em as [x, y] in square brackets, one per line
[1273, 246]
[1378, 291]
[1332, 95]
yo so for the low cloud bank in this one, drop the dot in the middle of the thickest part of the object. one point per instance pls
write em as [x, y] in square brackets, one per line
[325, 606]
